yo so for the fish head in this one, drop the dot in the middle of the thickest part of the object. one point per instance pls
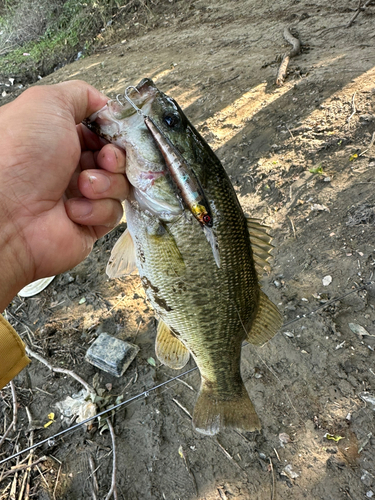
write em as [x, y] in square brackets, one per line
[174, 125]
[120, 123]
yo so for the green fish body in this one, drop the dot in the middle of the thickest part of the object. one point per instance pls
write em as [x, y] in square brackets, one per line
[203, 309]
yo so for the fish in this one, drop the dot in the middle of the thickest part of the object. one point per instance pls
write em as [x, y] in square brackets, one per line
[204, 310]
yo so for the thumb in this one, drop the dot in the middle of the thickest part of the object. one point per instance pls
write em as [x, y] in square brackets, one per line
[81, 98]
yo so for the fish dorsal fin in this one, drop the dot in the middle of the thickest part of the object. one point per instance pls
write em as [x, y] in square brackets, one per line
[122, 259]
[260, 243]
[266, 323]
[169, 350]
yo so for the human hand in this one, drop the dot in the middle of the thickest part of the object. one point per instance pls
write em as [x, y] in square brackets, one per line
[60, 187]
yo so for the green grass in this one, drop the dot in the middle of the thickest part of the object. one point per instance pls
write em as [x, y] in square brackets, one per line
[55, 33]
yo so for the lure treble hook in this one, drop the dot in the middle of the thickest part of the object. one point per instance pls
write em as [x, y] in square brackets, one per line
[139, 111]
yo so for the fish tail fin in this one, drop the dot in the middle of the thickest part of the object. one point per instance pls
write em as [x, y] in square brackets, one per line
[213, 413]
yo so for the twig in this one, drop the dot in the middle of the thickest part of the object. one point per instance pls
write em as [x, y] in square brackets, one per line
[354, 109]
[57, 482]
[18, 468]
[296, 48]
[273, 495]
[95, 486]
[182, 408]
[290, 132]
[61, 370]
[13, 489]
[44, 479]
[4, 493]
[228, 455]
[113, 490]
[187, 385]
[359, 9]
[187, 467]
[14, 421]
[31, 442]
[294, 229]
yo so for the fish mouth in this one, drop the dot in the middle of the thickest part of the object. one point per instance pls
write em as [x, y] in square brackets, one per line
[111, 117]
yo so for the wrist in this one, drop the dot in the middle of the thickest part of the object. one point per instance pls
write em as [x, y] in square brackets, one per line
[14, 262]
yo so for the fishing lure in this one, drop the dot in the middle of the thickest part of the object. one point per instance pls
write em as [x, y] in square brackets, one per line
[181, 173]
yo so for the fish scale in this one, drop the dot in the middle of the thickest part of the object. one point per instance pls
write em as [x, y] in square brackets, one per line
[204, 309]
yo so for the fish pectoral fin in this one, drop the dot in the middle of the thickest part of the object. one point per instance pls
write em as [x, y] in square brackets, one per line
[260, 242]
[213, 413]
[166, 250]
[169, 350]
[122, 259]
[267, 322]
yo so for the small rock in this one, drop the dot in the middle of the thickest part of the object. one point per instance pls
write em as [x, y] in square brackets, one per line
[277, 284]
[289, 334]
[317, 207]
[359, 330]
[366, 117]
[111, 355]
[367, 477]
[289, 472]
[327, 280]
[284, 438]
[327, 179]
[369, 494]
[368, 398]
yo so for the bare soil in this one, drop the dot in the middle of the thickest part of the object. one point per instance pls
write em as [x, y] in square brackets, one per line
[299, 158]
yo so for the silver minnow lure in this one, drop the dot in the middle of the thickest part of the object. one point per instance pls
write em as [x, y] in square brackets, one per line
[184, 177]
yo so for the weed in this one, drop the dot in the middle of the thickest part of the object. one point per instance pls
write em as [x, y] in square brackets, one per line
[36, 36]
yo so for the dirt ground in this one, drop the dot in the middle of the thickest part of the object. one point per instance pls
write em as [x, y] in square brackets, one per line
[299, 158]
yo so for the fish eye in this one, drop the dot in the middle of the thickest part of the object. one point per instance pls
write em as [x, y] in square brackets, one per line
[207, 220]
[171, 120]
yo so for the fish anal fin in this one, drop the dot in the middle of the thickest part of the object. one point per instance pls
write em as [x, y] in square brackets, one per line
[169, 349]
[122, 259]
[266, 323]
[213, 413]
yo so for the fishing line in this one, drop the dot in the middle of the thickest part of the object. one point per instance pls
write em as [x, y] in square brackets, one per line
[51, 440]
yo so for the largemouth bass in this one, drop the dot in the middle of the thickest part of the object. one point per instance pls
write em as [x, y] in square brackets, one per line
[203, 309]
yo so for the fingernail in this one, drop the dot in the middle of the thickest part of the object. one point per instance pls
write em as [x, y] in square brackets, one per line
[99, 183]
[80, 208]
